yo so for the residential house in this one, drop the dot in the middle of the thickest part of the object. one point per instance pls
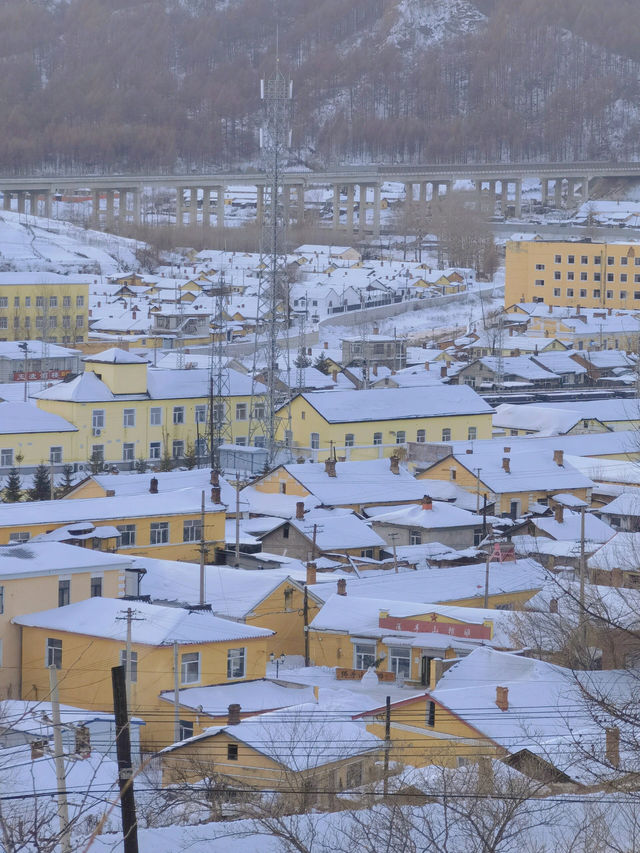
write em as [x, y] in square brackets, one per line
[39, 305]
[429, 521]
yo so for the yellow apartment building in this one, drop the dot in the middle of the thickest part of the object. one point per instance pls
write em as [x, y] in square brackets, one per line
[35, 306]
[125, 410]
[358, 424]
[167, 525]
[577, 273]
[39, 576]
[168, 644]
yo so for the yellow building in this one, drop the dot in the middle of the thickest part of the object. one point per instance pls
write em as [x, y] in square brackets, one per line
[166, 525]
[29, 436]
[358, 424]
[40, 576]
[168, 645]
[577, 273]
[46, 306]
[125, 410]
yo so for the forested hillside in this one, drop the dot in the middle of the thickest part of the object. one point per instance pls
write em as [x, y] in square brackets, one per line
[163, 84]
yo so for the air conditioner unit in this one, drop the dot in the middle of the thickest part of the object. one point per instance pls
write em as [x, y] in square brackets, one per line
[96, 431]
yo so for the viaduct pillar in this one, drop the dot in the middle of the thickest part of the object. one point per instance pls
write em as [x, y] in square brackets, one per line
[350, 207]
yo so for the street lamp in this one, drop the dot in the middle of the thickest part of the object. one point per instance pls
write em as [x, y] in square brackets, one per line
[277, 661]
[25, 349]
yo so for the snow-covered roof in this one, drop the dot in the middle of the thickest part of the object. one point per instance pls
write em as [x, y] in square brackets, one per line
[54, 558]
[622, 551]
[538, 419]
[115, 355]
[606, 470]
[256, 696]
[441, 515]
[11, 350]
[337, 532]
[610, 409]
[24, 418]
[569, 528]
[154, 625]
[126, 484]
[628, 503]
[381, 404]
[589, 444]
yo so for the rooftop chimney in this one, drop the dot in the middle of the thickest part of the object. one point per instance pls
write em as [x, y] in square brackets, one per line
[334, 375]
[376, 330]
[214, 478]
[507, 449]
[443, 371]
[394, 464]
[325, 344]
[299, 510]
[553, 605]
[215, 495]
[558, 457]
[153, 486]
[330, 466]
[559, 513]
[550, 309]
[502, 698]
[469, 450]
[427, 366]
[234, 715]
[342, 587]
[110, 493]
[311, 573]
[506, 464]
[613, 745]
[427, 503]
[374, 369]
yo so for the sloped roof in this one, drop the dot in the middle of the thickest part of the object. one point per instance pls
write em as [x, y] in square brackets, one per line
[23, 418]
[115, 355]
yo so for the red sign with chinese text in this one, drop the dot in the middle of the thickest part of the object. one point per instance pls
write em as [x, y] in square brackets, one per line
[432, 626]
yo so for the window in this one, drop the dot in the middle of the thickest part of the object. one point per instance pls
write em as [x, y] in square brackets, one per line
[623, 295]
[97, 419]
[79, 301]
[349, 440]
[260, 441]
[539, 282]
[539, 266]
[400, 661]
[16, 301]
[415, 537]
[597, 276]
[134, 663]
[159, 533]
[177, 448]
[557, 259]
[636, 294]
[96, 587]
[27, 302]
[53, 655]
[241, 411]
[155, 450]
[64, 593]
[556, 291]
[192, 530]
[236, 661]
[609, 294]
[472, 433]
[16, 322]
[79, 321]
[127, 535]
[571, 259]
[583, 294]
[97, 453]
[624, 261]
[55, 455]
[623, 278]
[610, 260]
[610, 276]
[421, 436]
[354, 775]
[401, 436]
[1, 599]
[364, 655]
[446, 434]
[315, 440]
[53, 302]
[259, 410]
[557, 275]
[584, 259]
[430, 718]
[4, 323]
[596, 293]
[66, 302]
[200, 414]
[186, 729]
[377, 438]
[6, 456]
[128, 417]
[569, 291]
[66, 321]
[155, 416]
[453, 473]
[178, 414]
[240, 440]
[288, 599]
[190, 668]
[584, 276]
[39, 301]
[367, 552]
[597, 260]
[232, 752]
[128, 451]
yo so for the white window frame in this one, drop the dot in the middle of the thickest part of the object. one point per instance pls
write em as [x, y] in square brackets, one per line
[190, 668]
[155, 416]
[159, 533]
[134, 663]
[359, 653]
[234, 656]
[178, 415]
[53, 653]
[128, 418]
[97, 419]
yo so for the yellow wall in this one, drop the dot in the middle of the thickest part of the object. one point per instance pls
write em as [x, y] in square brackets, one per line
[288, 624]
[33, 594]
[70, 320]
[35, 447]
[85, 677]
[521, 274]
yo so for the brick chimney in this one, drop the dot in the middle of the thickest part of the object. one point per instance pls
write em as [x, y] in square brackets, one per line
[330, 467]
[443, 371]
[485, 775]
[214, 478]
[334, 375]
[325, 344]
[110, 493]
[311, 573]
[613, 745]
[427, 503]
[553, 605]
[506, 464]
[394, 464]
[502, 698]
[342, 586]
[153, 486]
[427, 366]
[299, 510]
[507, 449]
[215, 494]
[558, 457]
[559, 513]
[234, 715]
[374, 369]
[376, 330]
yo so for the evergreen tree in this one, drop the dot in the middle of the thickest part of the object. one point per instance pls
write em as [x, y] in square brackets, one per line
[302, 359]
[141, 465]
[67, 481]
[13, 489]
[41, 489]
[190, 459]
[96, 463]
[167, 462]
[322, 364]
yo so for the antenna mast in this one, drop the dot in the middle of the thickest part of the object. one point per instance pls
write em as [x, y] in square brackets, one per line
[272, 321]
[218, 427]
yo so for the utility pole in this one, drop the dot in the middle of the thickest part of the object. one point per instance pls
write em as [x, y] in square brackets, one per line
[583, 620]
[125, 767]
[130, 616]
[484, 515]
[305, 616]
[237, 519]
[478, 489]
[202, 554]
[387, 745]
[61, 784]
[486, 581]
[176, 694]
